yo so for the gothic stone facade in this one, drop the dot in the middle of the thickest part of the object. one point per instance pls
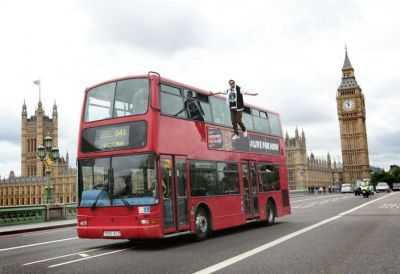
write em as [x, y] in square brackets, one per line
[353, 134]
[305, 171]
[29, 189]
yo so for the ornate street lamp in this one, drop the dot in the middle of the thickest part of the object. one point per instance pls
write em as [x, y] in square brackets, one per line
[41, 152]
[48, 142]
[48, 156]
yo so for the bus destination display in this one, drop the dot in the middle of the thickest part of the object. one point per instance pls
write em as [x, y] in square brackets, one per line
[112, 137]
[127, 135]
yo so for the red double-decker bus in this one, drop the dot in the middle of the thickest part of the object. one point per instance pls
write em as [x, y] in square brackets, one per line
[144, 172]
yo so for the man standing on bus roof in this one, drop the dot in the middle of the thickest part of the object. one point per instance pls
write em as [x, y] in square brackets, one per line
[234, 99]
[192, 107]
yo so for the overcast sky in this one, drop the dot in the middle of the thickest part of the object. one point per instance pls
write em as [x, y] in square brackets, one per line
[291, 52]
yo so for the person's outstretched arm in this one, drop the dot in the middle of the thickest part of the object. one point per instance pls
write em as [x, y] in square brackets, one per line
[179, 112]
[250, 93]
[215, 93]
[185, 106]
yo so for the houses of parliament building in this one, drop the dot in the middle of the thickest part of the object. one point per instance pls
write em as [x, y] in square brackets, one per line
[29, 188]
[307, 170]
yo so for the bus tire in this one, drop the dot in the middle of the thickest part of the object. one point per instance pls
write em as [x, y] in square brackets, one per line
[270, 213]
[202, 222]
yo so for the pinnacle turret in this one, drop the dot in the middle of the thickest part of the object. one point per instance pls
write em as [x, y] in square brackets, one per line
[24, 111]
[55, 109]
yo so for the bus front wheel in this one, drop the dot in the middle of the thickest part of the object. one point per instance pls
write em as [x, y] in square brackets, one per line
[202, 224]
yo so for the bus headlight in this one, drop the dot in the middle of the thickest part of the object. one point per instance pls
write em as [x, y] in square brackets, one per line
[83, 223]
[149, 221]
[145, 222]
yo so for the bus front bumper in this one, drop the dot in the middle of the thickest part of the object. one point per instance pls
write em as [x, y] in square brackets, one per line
[120, 232]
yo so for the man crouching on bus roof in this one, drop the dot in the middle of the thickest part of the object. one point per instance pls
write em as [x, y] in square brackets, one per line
[234, 99]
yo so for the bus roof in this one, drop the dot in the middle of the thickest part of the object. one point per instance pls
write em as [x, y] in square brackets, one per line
[175, 83]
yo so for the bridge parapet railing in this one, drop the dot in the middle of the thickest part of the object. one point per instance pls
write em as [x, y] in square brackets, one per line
[69, 211]
[15, 215]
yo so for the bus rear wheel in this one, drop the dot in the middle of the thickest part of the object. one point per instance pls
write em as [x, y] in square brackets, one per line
[271, 213]
[202, 224]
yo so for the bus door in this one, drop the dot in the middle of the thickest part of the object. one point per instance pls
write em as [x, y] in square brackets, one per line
[174, 192]
[250, 198]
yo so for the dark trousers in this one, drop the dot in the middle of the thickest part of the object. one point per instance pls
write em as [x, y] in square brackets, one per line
[236, 118]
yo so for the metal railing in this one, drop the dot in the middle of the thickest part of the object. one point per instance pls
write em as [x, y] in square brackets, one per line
[14, 215]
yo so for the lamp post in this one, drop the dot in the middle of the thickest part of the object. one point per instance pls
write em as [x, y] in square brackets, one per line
[48, 155]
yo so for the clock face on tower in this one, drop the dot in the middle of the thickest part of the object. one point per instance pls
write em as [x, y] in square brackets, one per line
[348, 104]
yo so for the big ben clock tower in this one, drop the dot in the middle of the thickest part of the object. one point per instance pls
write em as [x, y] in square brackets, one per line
[353, 134]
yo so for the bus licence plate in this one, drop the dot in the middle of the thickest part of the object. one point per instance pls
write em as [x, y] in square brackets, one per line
[112, 233]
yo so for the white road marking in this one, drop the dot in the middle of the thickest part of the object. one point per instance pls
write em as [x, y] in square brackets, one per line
[87, 258]
[36, 244]
[247, 254]
[392, 205]
[315, 203]
[317, 198]
[62, 256]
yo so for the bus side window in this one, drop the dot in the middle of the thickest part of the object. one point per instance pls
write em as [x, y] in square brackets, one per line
[228, 179]
[269, 177]
[248, 119]
[276, 128]
[220, 111]
[203, 178]
[171, 101]
[261, 123]
[205, 105]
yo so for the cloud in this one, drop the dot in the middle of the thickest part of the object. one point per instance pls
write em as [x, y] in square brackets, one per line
[306, 113]
[10, 129]
[10, 158]
[315, 16]
[158, 26]
[387, 142]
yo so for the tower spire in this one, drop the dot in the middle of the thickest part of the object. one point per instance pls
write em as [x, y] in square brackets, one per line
[346, 65]
[348, 78]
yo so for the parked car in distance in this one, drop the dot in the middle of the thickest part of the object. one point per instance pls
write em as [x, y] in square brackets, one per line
[382, 187]
[396, 186]
[346, 188]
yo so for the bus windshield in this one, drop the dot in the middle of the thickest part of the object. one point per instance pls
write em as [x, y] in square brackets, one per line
[117, 181]
[116, 99]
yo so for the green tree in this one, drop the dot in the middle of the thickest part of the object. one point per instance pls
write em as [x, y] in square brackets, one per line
[391, 176]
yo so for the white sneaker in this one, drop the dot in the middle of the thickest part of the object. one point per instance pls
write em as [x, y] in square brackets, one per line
[235, 136]
[245, 133]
